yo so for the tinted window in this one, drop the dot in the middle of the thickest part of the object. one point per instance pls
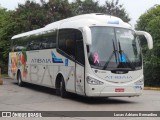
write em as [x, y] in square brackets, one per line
[44, 41]
[48, 41]
[79, 48]
[71, 43]
[19, 44]
[67, 41]
[36, 42]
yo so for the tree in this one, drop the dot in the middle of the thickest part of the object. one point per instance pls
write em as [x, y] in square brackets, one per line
[110, 8]
[150, 22]
[26, 17]
[87, 6]
[116, 9]
[32, 15]
[58, 9]
[4, 41]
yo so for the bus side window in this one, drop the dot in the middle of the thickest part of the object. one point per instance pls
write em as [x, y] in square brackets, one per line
[67, 42]
[48, 40]
[19, 45]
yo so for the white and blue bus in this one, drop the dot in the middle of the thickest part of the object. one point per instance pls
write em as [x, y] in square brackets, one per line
[94, 55]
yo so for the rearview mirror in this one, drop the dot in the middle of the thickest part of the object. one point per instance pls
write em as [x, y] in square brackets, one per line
[87, 35]
[148, 37]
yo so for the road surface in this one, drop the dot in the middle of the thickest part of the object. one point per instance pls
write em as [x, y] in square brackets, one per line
[37, 98]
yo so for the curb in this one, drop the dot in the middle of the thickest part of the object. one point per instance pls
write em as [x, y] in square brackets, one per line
[151, 88]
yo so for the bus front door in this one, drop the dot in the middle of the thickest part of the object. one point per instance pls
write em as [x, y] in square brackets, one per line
[80, 67]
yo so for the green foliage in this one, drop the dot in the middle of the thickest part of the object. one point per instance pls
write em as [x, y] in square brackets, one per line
[115, 9]
[110, 8]
[150, 21]
[87, 6]
[4, 38]
[59, 9]
[32, 15]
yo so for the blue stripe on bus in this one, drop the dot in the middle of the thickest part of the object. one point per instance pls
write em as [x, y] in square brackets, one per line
[55, 59]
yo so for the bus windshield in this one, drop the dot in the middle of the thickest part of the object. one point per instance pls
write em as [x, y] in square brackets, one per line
[114, 48]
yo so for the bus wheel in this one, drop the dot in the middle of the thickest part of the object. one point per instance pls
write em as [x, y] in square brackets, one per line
[63, 92]
[19, 79]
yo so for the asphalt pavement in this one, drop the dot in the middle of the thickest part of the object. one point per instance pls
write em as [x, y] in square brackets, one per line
[37, 98]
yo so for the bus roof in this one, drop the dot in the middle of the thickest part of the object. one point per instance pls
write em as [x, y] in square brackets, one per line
[92, 19]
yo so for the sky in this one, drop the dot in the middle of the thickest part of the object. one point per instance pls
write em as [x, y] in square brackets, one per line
[134, 8]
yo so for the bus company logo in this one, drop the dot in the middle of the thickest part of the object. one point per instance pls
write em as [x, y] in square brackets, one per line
[118, 77]
[39, 60]
[55, 59]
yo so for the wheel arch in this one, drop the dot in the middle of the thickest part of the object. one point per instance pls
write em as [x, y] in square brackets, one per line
[58, 79]
[18, 72]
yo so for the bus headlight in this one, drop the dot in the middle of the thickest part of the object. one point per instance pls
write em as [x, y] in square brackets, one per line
[93, 81]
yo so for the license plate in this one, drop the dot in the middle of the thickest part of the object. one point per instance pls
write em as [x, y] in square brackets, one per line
[119, 90]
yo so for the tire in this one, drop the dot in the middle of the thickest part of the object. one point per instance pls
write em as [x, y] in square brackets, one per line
[19, 79]
[62, 89]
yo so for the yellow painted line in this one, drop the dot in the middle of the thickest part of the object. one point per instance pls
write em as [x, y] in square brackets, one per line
[151, 88]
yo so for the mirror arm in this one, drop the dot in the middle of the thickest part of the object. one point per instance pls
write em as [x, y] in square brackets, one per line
[87, 36]
[148, 37]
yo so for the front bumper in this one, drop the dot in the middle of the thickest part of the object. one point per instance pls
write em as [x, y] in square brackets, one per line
[110, 91]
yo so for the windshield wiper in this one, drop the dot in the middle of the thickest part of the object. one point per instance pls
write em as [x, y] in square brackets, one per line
[113, 53]
[122, 52]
